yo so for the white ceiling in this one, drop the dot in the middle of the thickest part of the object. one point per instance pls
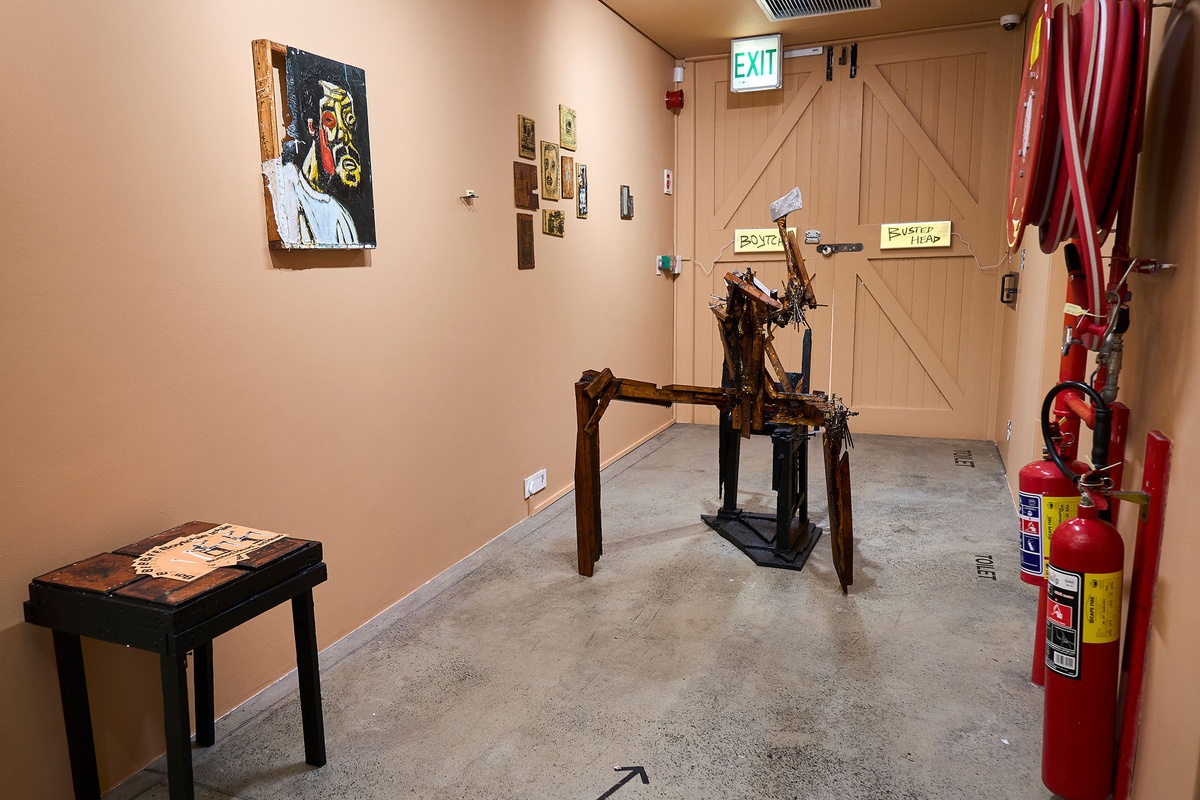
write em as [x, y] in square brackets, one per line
[688, 28]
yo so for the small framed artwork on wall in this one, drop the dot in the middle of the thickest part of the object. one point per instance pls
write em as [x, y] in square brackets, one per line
[551, 179]
[524, 241]
[581, 191]
[626, 203]
[553, 222]
[568, 178]
[526, 139]
[567, 128]
[525, 185]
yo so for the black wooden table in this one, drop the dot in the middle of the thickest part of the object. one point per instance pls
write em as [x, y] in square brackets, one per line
[102, 597]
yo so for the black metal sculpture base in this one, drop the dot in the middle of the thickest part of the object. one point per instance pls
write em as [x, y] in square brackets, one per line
[756, 534]
[783, 539]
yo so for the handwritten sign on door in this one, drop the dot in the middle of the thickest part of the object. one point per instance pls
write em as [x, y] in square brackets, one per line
[897, 235]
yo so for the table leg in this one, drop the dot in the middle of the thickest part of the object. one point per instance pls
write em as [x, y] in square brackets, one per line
[202, 679]
[72, 685]
[177, 725]
[308, 670]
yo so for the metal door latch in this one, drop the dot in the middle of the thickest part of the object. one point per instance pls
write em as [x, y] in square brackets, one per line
[830, 249]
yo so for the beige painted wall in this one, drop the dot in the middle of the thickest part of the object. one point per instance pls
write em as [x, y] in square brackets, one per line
[1029, 360]
[161, 365]
[1159, 384]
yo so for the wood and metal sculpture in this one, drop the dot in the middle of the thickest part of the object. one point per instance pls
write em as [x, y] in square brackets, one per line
[751, 397]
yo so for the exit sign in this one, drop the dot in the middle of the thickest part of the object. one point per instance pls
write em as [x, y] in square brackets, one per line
[756, 63]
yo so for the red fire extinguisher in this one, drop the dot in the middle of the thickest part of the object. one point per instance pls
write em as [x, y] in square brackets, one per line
[1046, 499]
[1083, 629]
[1083, 656]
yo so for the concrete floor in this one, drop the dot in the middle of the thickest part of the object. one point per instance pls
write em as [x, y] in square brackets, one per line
[510, 676]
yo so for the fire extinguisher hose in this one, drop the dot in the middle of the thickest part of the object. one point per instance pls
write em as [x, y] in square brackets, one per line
[1101, 427]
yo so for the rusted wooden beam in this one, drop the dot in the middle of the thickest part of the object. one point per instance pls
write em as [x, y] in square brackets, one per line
[610, 391]
[753, 291]
[797, 270]
[784, 381]
[587, 482]
[841, 526]
[643, 392]
[598, 383]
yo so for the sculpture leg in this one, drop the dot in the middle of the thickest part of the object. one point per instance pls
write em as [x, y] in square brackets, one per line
[841, 527]
[730, 457]
[783, 441]
[587, 483]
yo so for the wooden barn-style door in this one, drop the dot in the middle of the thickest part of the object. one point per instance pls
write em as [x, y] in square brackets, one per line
[910, 338]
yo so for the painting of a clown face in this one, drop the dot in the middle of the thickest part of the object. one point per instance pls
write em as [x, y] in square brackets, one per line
[323, 193]
[334, 139]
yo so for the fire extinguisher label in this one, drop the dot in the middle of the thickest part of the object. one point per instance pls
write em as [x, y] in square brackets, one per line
[1039, 515]
[1101, 607]
[1029, 513]
[1064, 621]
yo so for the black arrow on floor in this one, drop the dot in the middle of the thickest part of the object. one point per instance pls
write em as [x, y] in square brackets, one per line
[638, 770]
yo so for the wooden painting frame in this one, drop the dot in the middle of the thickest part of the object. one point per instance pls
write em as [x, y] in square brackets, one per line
[581, 191]
[525, 185]
[526, 137]
[554, 222]
[525, 259]
[568, 178]
[568, 128]
[551, 178]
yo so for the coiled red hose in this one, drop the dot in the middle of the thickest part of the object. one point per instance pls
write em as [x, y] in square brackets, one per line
[1078, 134]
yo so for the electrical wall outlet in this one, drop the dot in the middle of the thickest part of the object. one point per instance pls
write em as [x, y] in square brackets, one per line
[535, 483]
[666, 264]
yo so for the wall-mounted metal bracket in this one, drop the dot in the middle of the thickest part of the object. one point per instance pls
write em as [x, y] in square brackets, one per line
[1141, 499]
[830, 249]
[1150, 266]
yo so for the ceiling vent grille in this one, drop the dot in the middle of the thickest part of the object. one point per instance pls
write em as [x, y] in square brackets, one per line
[795, 9]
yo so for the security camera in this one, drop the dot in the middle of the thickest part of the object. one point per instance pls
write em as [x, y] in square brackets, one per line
[1010, 21]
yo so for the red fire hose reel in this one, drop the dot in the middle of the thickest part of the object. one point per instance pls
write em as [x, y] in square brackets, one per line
[1077, 138]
